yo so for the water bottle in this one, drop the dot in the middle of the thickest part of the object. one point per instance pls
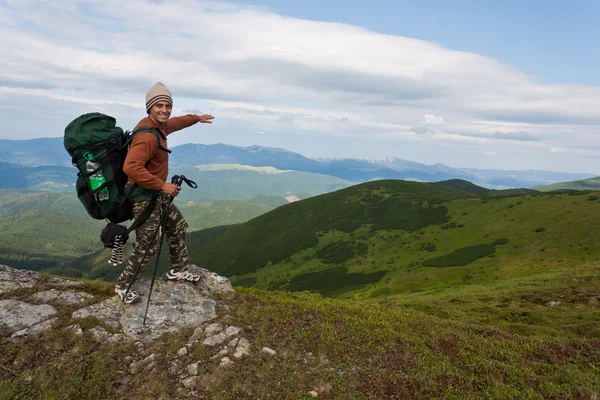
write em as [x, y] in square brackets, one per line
[96, 179]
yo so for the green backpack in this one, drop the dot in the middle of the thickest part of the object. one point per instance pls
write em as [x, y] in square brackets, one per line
[98, 149]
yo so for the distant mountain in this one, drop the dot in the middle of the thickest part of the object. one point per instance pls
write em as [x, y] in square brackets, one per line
[525, 178]
[50, 151]
[34, 152]
[49, 177]
[584, 184]
[232, 181]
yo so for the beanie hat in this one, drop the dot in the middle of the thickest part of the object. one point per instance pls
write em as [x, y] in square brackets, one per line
[158, 92]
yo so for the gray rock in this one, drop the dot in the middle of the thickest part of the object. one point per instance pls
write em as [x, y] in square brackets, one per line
[35, 329]
[136, 367]
[182, 351]
[225, 361]
[12, 279]
[173, 307]
[268, 351]
[210, 282]
[60, 297]
[76, 329]
[213, 329]
[198, 334]
[99, 333]
[117, 338]
[17, 315]
[192, 369]
[190, 382]
[233, 343]
[221, 337]
[242, 349]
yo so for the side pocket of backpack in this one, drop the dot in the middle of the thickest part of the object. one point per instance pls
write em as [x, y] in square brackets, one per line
[86, 196]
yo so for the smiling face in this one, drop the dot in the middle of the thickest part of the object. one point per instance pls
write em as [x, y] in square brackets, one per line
[160, 112]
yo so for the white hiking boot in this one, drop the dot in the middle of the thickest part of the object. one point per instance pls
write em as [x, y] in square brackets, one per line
[182, 275]
[131, 298]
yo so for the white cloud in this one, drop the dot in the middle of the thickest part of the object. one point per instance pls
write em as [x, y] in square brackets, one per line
[430, 119]
[283, 75]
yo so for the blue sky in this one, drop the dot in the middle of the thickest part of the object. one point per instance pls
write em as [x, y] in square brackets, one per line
[481, 84]
[554, 40]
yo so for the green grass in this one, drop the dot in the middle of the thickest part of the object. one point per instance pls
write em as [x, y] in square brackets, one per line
[497, 341]
[48, 231]
[584, 184]
[309, 236]
[295, 227]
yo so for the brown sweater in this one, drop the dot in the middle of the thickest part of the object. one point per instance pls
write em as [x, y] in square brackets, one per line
[144, 150]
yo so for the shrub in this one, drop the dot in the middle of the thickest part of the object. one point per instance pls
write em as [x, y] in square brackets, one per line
[463, 256]
[540, 229]
[430, 247]
[336, 252]
[449, 225]
[592, 198]
[500, 241]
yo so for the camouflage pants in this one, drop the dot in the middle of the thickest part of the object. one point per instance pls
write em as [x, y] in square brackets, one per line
[174, 230]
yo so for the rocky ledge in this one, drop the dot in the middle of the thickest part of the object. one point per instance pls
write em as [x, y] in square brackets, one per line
[173, 305]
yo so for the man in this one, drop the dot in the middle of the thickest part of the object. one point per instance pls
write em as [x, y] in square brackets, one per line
[147, 166]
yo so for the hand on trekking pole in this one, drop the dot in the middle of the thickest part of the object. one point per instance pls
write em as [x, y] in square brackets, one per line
[171, 189]
[205, 118]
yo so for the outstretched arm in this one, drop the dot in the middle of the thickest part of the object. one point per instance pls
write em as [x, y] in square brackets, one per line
[177, 123]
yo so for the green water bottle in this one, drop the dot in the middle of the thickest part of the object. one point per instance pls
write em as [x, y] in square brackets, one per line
[96, 179]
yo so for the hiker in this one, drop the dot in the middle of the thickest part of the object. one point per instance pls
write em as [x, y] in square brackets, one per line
[147, 169]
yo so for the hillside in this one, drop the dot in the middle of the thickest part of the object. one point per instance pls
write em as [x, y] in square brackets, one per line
[388, 237]
[49, 177]
[530, 338]
[584, 184]
[289, 229]
[41, 230]
[14, 202]
[44, 239]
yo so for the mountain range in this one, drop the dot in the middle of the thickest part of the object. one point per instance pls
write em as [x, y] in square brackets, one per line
[50, 152]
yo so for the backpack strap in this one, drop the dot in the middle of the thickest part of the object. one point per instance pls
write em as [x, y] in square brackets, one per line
[156, 133]
[144, 215]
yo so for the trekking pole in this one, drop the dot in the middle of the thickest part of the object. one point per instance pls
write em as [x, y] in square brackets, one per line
[137, 269]
[176, 180]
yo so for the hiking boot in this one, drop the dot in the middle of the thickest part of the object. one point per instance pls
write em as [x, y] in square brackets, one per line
[182, 275]
[131, 298]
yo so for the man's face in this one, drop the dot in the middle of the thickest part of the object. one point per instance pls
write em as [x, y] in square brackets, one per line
[161, 111]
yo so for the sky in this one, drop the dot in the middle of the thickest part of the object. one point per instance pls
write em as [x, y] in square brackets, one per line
[478, 84]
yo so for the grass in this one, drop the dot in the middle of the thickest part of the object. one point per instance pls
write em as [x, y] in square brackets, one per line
[497, 341]
[508, 235]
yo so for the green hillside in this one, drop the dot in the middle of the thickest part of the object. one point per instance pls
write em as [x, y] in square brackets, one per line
[43, 239]
[391, 237]
[219, 212]
[41, 231]
[528, 338]
[584, 184]
[14, 202]
[295, 227]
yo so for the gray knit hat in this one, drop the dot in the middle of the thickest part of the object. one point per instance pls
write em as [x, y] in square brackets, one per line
[158, 92]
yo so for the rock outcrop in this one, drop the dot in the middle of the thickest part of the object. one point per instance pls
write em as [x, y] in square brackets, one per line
[173, 306]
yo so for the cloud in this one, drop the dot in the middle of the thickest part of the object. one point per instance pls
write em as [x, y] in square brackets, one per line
[521, 136]
[269, 72]
[430, 119]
